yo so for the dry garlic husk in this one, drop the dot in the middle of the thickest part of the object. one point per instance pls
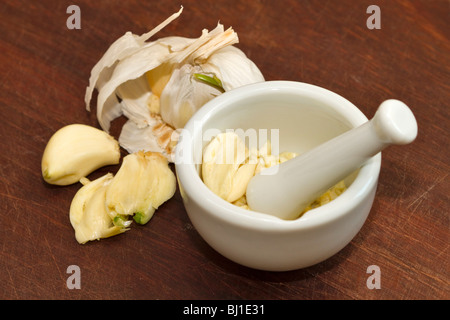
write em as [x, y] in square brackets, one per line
[88, 214]
[158, 85]
[75, 151]
[143, 183]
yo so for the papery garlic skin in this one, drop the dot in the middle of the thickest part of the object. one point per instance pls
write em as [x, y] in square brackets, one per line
[143, 183]
[171, 94]
[183, 96]
[75, 151]
[145, 129]
[124, 46]
[233, 68]
[88, 214]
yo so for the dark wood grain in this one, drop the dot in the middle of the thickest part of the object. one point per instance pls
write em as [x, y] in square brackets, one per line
[44, 70]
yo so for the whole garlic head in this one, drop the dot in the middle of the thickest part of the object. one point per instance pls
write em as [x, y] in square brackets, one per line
[161, 83]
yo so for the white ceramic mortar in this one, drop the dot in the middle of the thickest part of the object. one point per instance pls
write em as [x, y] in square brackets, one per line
[305, 116]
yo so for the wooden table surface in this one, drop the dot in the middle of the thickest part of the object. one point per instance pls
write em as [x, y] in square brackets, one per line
[44, 71]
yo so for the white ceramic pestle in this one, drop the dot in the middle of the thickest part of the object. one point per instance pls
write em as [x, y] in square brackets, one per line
[286, 189]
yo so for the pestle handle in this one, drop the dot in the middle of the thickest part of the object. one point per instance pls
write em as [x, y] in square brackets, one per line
[286, 189]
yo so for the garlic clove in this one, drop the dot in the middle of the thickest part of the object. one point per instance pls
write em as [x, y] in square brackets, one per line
[240, 181]
[158, 77]
[143, 183]
[228, 166]
[183, 96]
[75, 151]
[225, 168]
[88, 214]
[233, 68]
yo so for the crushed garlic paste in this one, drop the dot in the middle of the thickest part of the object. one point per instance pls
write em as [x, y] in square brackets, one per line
[228, 165]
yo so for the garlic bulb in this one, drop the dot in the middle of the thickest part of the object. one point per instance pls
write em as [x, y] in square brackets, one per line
[158, 85]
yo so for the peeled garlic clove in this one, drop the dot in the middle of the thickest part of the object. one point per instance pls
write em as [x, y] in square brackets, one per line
[226, 168]
[143, 182]
[240, 181]
[75, 151]
[88, 214]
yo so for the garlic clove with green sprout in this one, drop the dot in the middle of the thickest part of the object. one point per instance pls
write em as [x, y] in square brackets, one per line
[184, 94]
[158, 85]
[88, 214]
[142, 184]
[228, 64]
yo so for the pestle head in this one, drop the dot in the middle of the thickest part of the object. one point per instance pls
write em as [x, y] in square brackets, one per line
[395, 123]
